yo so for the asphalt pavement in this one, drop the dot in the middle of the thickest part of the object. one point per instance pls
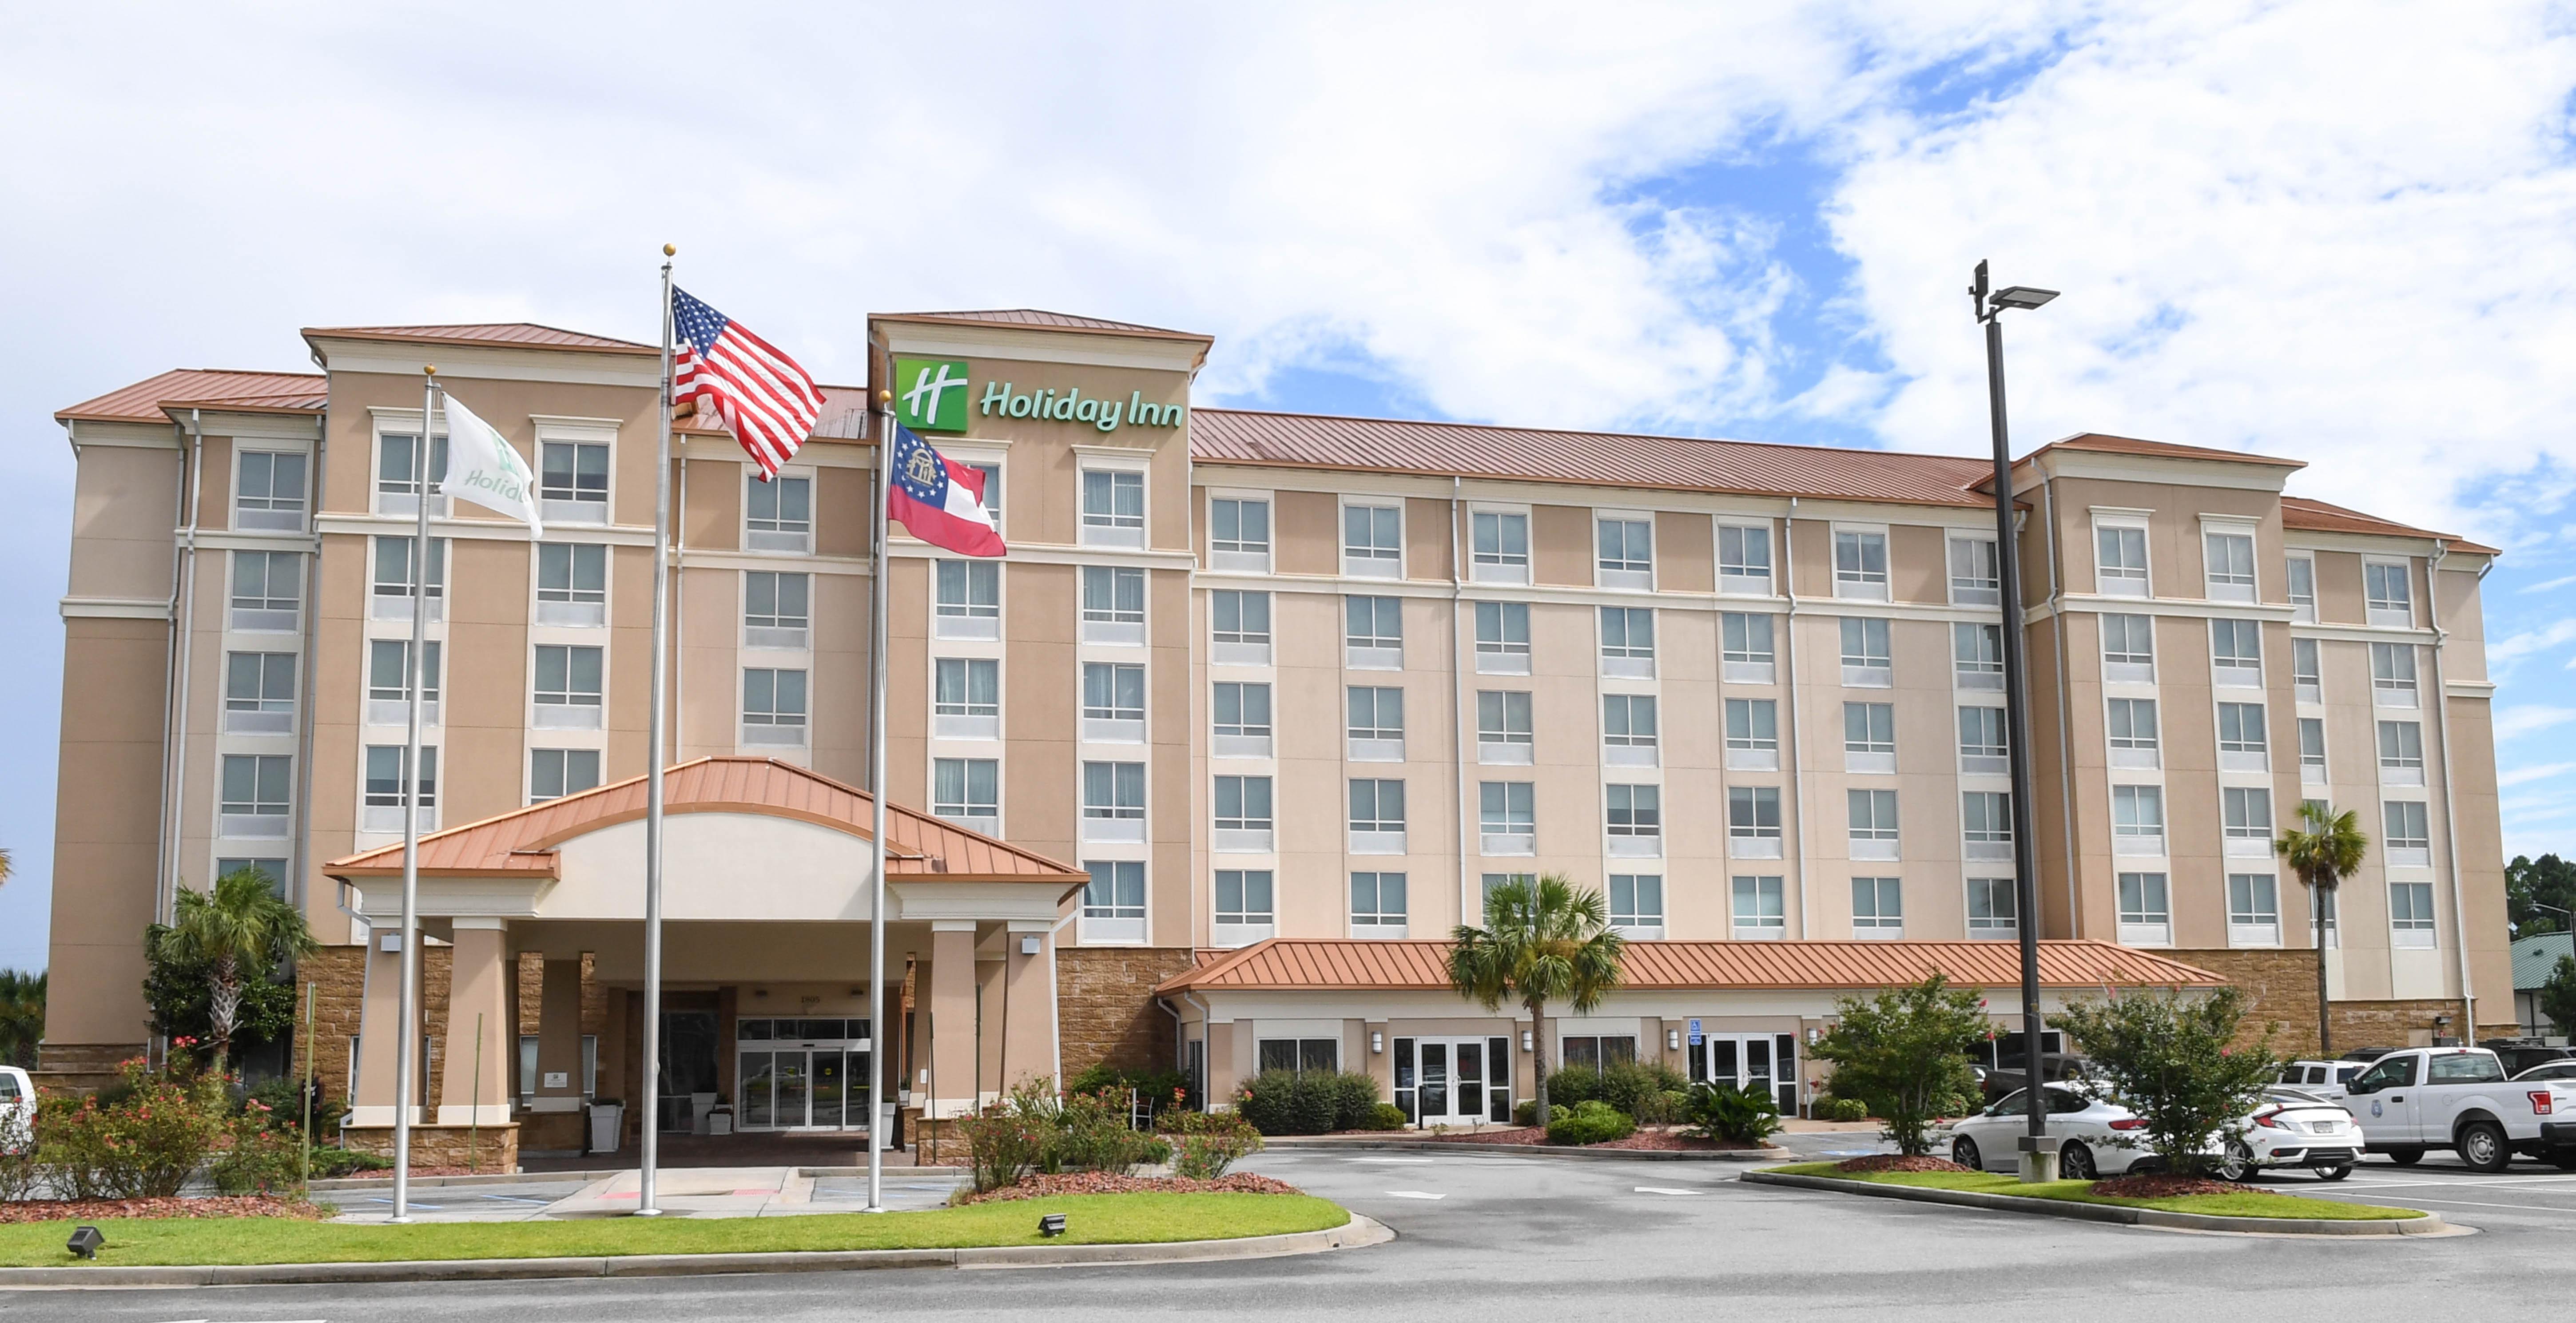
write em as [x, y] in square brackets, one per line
[1506, 1239]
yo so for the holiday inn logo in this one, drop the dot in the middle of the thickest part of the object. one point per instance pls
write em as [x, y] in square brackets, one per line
[930, 393]
[933, 395]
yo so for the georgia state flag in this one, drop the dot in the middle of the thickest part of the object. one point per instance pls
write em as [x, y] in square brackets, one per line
[939, 499]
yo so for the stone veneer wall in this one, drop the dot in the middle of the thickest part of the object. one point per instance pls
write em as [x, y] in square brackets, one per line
[1105, 1006]
[2282, 985]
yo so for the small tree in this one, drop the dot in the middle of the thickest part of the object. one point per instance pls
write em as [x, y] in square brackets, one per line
[2558, 995]
[1905, 1053]
[2171, 1058]
[2323, 852]
[1540, 943]
[237, 934]
[22, 1016]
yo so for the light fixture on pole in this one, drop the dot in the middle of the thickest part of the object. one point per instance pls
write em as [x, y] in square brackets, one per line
[2038, 1161]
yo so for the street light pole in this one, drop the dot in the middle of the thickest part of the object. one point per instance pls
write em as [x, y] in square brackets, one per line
[2038, 1160]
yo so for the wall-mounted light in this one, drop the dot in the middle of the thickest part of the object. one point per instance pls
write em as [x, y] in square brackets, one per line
[1377, 1042]
[1528, 1040]
[1029, 944]
[1672, 1040]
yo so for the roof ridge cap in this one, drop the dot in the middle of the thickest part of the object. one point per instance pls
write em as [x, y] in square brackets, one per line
[1594, 431]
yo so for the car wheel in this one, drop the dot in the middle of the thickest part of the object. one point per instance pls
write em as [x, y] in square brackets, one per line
[2075, 1163]
[1963, 1151]
[2239, 1163]
[2482, 1147]
[2334, 1171]
[2406, 1157]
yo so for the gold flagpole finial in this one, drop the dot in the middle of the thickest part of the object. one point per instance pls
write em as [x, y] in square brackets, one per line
[670, 250]
[885, 396]
[429, 369]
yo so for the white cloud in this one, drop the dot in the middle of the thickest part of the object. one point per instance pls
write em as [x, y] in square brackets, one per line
[2530, 718]
[2514, 647]
[2547, 585]
[2540, 772]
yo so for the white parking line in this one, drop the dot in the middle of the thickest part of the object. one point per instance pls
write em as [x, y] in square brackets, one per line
[2478, 1203]
[1392, 1159]
[1665, 1189]
[1413, 1194]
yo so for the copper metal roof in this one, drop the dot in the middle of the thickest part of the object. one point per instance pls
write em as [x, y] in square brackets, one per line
[206, 388]
[1286, 963]
[523, 841]
[1608, 459]
[503, 335]
[2131, 445]
[2317, 516]
[1040, 317]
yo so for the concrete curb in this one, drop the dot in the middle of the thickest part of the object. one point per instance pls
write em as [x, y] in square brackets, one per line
[2430, 1224]
[1325, 1143]
[331, 1183]
[1356, 1233]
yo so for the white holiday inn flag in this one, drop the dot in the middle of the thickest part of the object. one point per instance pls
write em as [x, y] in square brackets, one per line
[482, 468]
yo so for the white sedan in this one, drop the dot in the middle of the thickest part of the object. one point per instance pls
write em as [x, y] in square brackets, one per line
[2095, 1136]
[2293, 1128]
[17, 1109]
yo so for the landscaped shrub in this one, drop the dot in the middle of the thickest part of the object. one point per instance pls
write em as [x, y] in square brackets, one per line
[329, 1162]
[1205, 1144]
[1525, 1112]
[1736, 1116]
[1591, 1122]
[1573, 1086]
[1385, 1116]
[1001, 1146]
[1662, 1107]
[144, 1145]
[1631, 1085]
[1844, 1109]
[1283, 1102]
[1355, 1096]
[1165, 1088]
[261, 1160]
[283, 1100]
[1084, 1131]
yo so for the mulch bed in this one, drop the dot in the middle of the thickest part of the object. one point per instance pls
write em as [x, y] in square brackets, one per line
[94, 1210]
[2157, 1185]
[1536, 1136]
[1897, 1162]
[1101, 1182]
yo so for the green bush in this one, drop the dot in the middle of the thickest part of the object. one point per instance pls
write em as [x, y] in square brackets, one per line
[1525, 1112]
[1903, 1053]
[1632, 1085]
[1165, 1088]
[261, 1160]
[1205, 1144]
[329, 1162]
[1590, 1122]
[279, 1103]
[1283, 1102]
[144, 1145]
[1385, 1116]
[1662, 1107]
[1726, 1113]
[1572, 1086]
[2173, 1059]
[1033, 1130]
[1844, 1109]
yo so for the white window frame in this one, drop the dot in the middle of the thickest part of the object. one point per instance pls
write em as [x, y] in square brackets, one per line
[779, 629]
[2411, 922]
[577, 508]
[956, 711]
[1253, 826]
[2387, 687]
[2145, 901]
[1871, 816]
[1627, 572]
[1373, 741]
[2123, 667]
[1753, 822]
[564, 760]
[1854, 578]
[2300, 573]
[1988, 756]
[2401, 753]
[2131, 747]
[1500, 564]
[1112, 527]
[382, 810]
[1987, 832]
[1377, 918]
[1506, 727]
[397, 496]
[2399, 844]
[1112, 624]
[262, 815]
[390, 599]
[1244, 923]
[1373, 829]
[2241, 750]
[2312, 753]
[777, 726]
[1876, 918]
[2000, 899]
[2230, 671]
[1636, 903]
[1502, 654]
[1740, 577]
[1873, 670]
[1510, 828]
[389, 704]
[1110, 912]
[264, 514]
[574, 708]
[1249, 734]
[2307, 671]
[960, 608]
[1376, 653]
[965, 807]
[269, 613]
[2138, 821]
[1747, 664]
[2125, 580]
[1245, 643]
[1111, 817]
[1240, 553]
[1758, 907]
[2383, 611]
[1752, 734]
[2221, 542]
[1373, 564]
[1633, 818]
[783, 535]
[1971, 589]
[1626, 658]
[269, 706]
[2246, 821]
[1869, 744]
[2253, 909]
[1628, 746]
[569, 604]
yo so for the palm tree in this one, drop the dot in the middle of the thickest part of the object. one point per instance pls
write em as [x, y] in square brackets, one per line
[2323, 853]
[239, 930]
[1540, 943]
[22, 1016]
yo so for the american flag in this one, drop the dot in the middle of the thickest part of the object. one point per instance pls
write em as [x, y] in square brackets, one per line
[768, 402]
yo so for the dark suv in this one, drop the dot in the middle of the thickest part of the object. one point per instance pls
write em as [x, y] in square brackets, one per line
[2521, 1054]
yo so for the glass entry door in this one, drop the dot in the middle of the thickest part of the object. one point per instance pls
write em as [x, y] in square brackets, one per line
[807, 1074]
[1454, 1081]
[1764, 1062]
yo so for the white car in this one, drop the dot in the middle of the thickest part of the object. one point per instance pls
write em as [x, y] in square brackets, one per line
[2094, 1134]
[17, 1109]
[2549, 1070]
[2326, 1079]
[2293, 1128]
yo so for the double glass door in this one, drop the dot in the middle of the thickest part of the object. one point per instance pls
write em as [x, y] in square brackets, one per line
[803, 1074]
[1764, 1062]
[1454, 1081]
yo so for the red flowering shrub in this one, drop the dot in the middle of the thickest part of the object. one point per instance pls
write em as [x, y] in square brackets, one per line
[146, 1143]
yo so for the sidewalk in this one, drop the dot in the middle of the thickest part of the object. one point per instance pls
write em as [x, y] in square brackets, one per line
[681, 1192]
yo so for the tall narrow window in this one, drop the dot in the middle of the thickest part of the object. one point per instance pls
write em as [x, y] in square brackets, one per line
[1866, 661]
[389, 681]
[1242, 719]
[2407, 837]
[1759, 909]
[1507, 814]
[2129, 649]
[1113, 507]
[2146, 910]
[1753, 734]
[1628, 730]
[2303, 588]
[1637, 904]
[966, 697]
[2307, 673]
[2401, 753]
[1373, 541]
[1753, 822]
[773, 706]
[2133, 733]
[967, 599]
[1113, 801]
[259, 693]
[1239, 533]
[1873, 823]
[2138, 820]
[2392, 674]
[1982, 746]
[1746, 648]
[1377, 815]
[1373, 632]
[2312, 750]
[382, 809]
[778, 515]
[1239, 624]
[2410, 914]
[1975, 578]
[1504, 733]
[2227, 559]
[2243, 745]
[2253, 909]
[1376, 723]
[1499, 546]
[572, 481]
[255, 796]
[268, 491]
[1377, 904]
[1977, 655]
[1860, 565]
[1985, 818]
[992, 474]
[555, 773]
[2236, 652]
[968, 792]
[1113, 604]
[2387, 593]
[1502, 638]
[1994, 907]
[2248, 814]
[776, 609]
[569, 693]
[1628, 642]
[1113, 902]
[1744, 559]
[572, 583]
[1878, 907]
[267, 590]
[2120, 561]
[1626, 550]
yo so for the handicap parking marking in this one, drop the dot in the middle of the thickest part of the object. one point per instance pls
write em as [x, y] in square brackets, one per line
[1413, 1194]
[1666, 1189]
[379, 1199]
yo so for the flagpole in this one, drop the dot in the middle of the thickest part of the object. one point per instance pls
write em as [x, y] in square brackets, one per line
[407, 1008]
[650, 1143]
[877, 807]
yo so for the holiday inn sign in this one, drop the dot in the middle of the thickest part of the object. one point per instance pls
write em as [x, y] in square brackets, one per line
[934, 395]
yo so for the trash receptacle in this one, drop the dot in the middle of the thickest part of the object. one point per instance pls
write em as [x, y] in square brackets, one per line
[720, 1120]
[606, 1126]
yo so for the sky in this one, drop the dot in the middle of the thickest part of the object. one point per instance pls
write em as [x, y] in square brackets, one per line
[2330, 231]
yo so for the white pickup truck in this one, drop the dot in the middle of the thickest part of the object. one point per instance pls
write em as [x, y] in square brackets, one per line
[2458, 1098]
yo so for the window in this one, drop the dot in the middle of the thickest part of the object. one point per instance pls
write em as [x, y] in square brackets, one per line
[1239, 533]
[1628, 642]
[1744, 559]
[1760, 912]
[2303, 588]
[1977, 655]
[394, 574]
[2326, 903]
[2401, 753]
[1753, 822]
[1628, 729]
[1753, 734]
[2228, 563]
[1242, 718]
[1243, 821]
[1636, 812]
[2253, 909]
[1113, 901]
[968, 792]
[1377, 904]
[1975, 578]
[1113, 691]
[1490, 882]
[776, 610]
[274, 870]
[1637, 904]
[778, 515]
[1869, 737]
[383, 806]
[2129, 649]
[1113, 508]
[1113, 604]
[2410, 914]
[555, 773]
[1377, 806]
[1499, 546]
[1873, 823]
[2236, 653]
[2242, 744]
[254, 804]
[968, 599]
[1243, 900]
[1502, 638]
[966, 697]
[1878, 907]
[389, 681]
[773, 706]
[1299, 1055]
[1865, 656]
[1113, 801]
[1746, 642]
[2392, 674]
[572, 481]
[266, 590]
[259, 693]
[1239, 623]
[572, 585]
[1507, 815]
[2306, 674]
[1376, 724]
[1860, 565]
[1994, 904]
[2146, 912]
[1985, 818]
[2408, 834]
[2120, 561]
[2312, 750]
[1983, 748]
[269, 491]
[2387, 593]
[2248, 813]
[1598, 1051]
[992, 489]
[398, 473]
[1373, 541]
[1503, 730]
[2133, 732]
[2138, 820]
[1373, 632]
[1627, 552]
[568, 693]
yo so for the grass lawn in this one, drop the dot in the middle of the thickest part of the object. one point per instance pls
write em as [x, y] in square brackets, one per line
[2247, 1203]
[1091, 1219]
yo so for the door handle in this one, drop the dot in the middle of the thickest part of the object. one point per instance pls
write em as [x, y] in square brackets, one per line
[2397, 1097]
